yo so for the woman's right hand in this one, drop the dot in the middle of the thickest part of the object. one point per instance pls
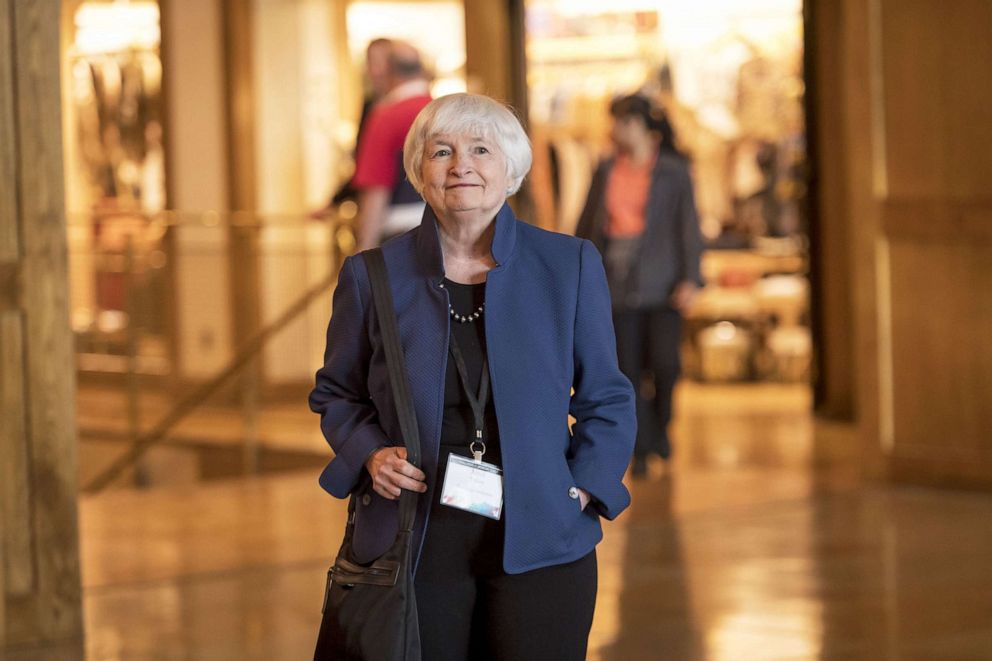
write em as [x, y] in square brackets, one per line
[391, 473]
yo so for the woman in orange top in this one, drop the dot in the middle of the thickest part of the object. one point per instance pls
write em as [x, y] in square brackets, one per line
[641, 214]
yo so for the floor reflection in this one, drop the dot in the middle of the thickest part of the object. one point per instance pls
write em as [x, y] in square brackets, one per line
[738, 551]
[845, 573]
[653, 605]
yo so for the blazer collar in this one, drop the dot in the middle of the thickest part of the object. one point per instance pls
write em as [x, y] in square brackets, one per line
[429, 243]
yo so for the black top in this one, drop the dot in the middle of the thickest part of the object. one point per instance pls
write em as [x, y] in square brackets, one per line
[457, 425]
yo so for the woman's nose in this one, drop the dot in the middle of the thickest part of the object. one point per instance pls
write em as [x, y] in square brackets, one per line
[460, 164]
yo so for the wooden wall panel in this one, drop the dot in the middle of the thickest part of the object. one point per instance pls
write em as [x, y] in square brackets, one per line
[15, 508]
[910, 161]
[830, 240]
[487, 48]
[8, 188]
[929, 221]
[938, 97]
[39, 574]
[942, 349]
[844, 69]
[934, 245]
[49, 358]
[11, 378]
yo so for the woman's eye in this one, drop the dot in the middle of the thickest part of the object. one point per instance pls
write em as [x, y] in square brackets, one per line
[482, 150]
[440, 152]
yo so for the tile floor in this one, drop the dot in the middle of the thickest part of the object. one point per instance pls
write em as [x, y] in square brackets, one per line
[738, 551]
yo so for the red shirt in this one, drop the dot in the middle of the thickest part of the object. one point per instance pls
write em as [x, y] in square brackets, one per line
[380, 149]
[627, 197]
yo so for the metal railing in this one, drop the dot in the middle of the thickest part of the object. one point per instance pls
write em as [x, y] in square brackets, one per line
[195, 398]
[133, 257]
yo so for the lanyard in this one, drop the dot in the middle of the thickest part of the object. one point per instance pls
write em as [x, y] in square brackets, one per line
[477, 402]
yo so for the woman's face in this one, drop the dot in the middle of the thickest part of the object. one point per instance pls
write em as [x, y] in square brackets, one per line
[464, 174]
[628, 132]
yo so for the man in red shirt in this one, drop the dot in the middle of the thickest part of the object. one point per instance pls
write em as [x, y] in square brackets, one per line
[387, 203]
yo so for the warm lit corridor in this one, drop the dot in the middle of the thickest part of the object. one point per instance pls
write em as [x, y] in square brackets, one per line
[178, 196]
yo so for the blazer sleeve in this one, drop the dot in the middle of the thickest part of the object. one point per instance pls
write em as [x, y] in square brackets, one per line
[348, 418]
[603, 399]
[690, 233]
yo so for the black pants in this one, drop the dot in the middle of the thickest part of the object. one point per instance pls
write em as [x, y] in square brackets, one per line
[649, 340]
[470, 609]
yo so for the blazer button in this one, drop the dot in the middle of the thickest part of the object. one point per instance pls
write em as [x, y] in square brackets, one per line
[573, 493]
[366, 499]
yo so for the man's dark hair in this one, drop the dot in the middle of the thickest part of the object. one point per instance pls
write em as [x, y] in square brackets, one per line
[405, 61]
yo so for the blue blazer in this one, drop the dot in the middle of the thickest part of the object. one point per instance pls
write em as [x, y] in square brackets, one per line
[548, 331]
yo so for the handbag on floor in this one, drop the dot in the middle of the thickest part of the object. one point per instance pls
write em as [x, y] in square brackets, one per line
[370, 610]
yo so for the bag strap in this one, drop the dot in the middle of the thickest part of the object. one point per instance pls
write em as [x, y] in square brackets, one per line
[382, 296]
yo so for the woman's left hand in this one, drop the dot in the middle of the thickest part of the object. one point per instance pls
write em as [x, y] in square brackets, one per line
[584, 498]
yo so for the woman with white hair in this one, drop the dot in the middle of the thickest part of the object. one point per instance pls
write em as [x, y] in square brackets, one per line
[506, 331]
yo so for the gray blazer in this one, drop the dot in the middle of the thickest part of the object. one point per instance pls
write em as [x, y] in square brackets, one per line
[671, 246]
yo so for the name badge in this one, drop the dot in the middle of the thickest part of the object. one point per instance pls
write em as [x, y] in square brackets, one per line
[473, 486]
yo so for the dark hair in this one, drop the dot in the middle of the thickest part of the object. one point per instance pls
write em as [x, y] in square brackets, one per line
[404, 61]
[654, 118]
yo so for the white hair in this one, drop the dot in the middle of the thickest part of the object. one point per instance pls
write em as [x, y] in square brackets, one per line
[469, 114]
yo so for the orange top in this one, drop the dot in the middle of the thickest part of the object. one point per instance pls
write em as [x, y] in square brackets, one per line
[627, 197]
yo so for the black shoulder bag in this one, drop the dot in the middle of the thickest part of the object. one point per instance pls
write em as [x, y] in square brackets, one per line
[370, 611]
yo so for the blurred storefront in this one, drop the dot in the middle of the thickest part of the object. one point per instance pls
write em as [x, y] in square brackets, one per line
[201, 136]
[115, 181]
[729, 74]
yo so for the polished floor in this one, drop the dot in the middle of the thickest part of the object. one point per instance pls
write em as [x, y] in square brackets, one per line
[738, 551]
